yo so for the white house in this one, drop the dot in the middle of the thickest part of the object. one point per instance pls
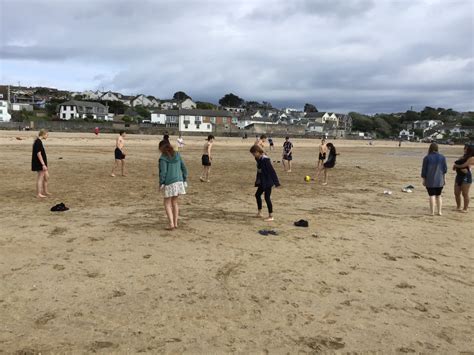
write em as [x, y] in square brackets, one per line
[233, 109]
[315, 127]
[82, 109]
[187, 104]
[4, 104]
[256, 115]
[91, 95]
[194, 121]
[169, 104]
[141, 100]
[406, 134]
[110, 96]
[154, 101]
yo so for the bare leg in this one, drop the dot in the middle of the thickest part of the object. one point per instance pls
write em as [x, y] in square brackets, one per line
[203, 175]
[45, 183]
[124, 173]
[289, 166]
[465, 195]
[39, 184]
[169, 212]
[439, 203]
[457, 196]
[115, 167]
[208, 170]
[325, 176]
[174, 202]
[432, 205]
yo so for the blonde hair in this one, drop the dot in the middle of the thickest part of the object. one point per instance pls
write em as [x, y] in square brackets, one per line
[42, 132]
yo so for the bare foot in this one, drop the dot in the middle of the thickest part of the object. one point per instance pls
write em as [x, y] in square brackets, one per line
[208, 180]
[259, 215]
[269, 219]
[288, 171]
[40, 196]
[48, 194]
[202, 179]
[113, 175]
[325, 183]
[169, 228]
[463, 211]
[124, 175]
[440, 213]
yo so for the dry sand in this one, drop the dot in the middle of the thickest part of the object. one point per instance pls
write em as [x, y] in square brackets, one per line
[371, 273]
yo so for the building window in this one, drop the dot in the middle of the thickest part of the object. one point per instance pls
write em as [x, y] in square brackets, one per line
[185, 126]
[208, 126]
[213, 120]
[64, 115]
[198, 125]
[72, 115]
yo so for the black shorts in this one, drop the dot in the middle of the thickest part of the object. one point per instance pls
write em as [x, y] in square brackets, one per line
[119, 154]
[322, 156]
[329, 165]
[434, 191]
[288, 157]
[205, 160]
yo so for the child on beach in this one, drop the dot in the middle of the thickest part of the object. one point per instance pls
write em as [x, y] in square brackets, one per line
[270, 141]
[322, 152]
[463, 180]
[287, 154]
[330, 162]
[119, 154]
[266, 179]
[206, 158]
[173, 175]
[39, 163]
[180, 142]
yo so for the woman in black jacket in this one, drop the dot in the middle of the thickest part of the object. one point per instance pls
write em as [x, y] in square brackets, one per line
[266, 179]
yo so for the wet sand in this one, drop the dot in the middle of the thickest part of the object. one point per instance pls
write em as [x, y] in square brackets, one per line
[371, 273]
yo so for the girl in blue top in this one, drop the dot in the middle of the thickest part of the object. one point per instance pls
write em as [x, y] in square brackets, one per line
[433, 174]
[173, 175]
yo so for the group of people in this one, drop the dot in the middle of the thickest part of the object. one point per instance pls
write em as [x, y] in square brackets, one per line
[173, 173]
[433, 173]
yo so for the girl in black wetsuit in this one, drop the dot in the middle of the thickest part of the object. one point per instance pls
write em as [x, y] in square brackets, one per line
[463, 180]
[330, 162]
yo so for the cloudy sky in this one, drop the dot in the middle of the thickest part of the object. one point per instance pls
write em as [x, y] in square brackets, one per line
[342, 55]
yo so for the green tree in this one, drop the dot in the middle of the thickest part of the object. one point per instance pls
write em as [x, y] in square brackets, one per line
[310, 108]
[144, 113]
[467, 121]
[429, 113]
[231, 100]
[205, 105]
[361, 122]
[181, 96]
[116, 107]
[411, 116]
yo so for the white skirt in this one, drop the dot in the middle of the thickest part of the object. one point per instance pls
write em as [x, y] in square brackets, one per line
[174, 189]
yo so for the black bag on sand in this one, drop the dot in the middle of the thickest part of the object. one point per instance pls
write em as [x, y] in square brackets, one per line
[60, 207]
[302, 223]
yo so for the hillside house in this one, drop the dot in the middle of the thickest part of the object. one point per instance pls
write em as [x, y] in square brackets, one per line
[82, 109]
[406, 134]
[187, 104]
[4, 104]
[111, 96]
[141, 100]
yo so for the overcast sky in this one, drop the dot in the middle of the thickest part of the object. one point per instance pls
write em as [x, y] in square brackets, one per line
[341, 55]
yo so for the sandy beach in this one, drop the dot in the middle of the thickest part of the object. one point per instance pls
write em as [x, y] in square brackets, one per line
[372, 273]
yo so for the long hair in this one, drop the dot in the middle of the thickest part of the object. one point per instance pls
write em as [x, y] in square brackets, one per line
[433, 148]
[166, 148]
[332, 148]
[469, 151]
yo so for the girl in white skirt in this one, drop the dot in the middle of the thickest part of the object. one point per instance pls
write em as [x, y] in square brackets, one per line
[173, 174]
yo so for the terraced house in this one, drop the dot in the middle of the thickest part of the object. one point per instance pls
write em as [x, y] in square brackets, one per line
[73, 109]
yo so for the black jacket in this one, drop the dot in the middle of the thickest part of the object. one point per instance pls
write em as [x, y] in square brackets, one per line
[266, 175]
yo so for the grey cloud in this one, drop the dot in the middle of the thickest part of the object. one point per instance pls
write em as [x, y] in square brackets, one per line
[346, 55]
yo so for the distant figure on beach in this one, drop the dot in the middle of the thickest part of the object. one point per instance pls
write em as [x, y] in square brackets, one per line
[463, 167]
[261, 141]
[270, 141]
[433, 173]
[180, 142]
[119, 154]
[266, 179]
[173, 175]
[96, 131]
[206, 158]
[287, 154]
[323, 149]
[330, 162]
[39, 163]
[399, 143]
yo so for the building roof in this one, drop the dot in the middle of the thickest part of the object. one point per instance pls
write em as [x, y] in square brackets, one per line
[83, 103]
[195, 112]
[314, 114]
[4, 92]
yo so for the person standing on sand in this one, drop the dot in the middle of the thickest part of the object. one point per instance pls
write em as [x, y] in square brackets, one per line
[119, 154]
[433, 173]
[270, 141]
[180, 142]
[323, 149]
[173, 175]
[287, 154]
[330, 162]
[463, 181]
[206, 158]
[39, 163]
[266, 179]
